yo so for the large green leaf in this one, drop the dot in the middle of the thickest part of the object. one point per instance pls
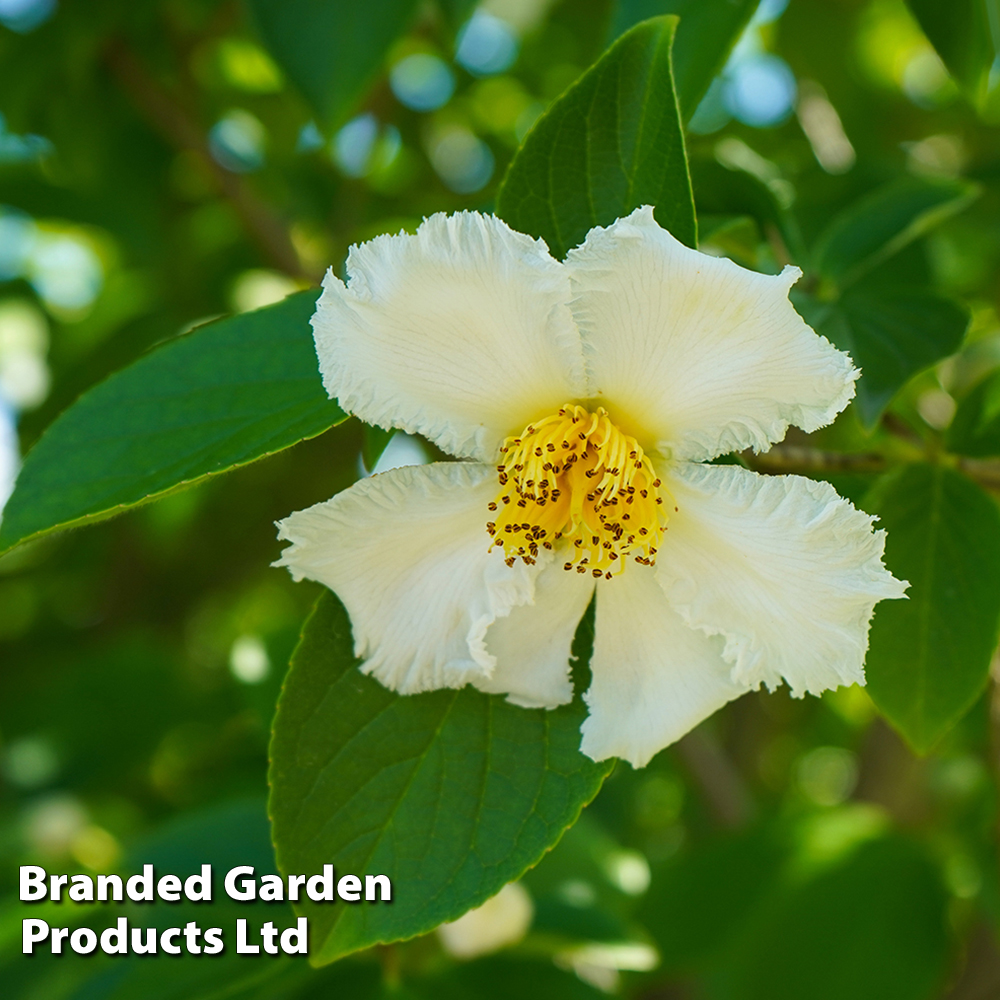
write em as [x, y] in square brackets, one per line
[965, 39]
[976, 427]
[331, 50]
[611, 143]
[700, 901]
[705, 37]
[223, 395]
[891, 336]
[452, 793]
[881, 224]
[929, 656]
[872, 927]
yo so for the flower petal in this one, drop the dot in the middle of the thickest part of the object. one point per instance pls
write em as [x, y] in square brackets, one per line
[460, 333]
[407, 553]
[654, 679]
[783, 568]
[697, 354]
[532, 644]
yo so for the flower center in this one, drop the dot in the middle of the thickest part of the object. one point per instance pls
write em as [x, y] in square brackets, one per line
[575, 476]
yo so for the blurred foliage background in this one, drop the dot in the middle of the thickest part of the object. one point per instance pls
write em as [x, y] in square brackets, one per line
[158, 169]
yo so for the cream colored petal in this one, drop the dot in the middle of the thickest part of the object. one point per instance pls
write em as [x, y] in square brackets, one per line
[501, 921]
[460, 333]
[532, 644]
[407, 553]
[781, 567]
[693, 353]
[654, 679]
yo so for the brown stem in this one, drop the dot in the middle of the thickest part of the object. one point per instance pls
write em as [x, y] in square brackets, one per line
[791, 458]
[174, 123]
[777, 244]
[979, 974]
[979, 978]
[893, 777]
[995, 724]
[786, 458]
[985, 471]
[388, 955]
[721, 784]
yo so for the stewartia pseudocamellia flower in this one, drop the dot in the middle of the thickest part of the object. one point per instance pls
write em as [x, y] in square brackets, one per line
[585, 398]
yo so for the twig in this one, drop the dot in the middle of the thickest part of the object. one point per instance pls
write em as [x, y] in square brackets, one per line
[722, 785]
[979, 977]
[786, 458]
[790, 458]
[986, 471]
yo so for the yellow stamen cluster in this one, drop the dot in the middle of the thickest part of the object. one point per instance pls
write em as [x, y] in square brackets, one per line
[576, 477]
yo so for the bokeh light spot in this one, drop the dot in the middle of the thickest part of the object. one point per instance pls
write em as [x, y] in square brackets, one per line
[257, 288]
[30, 762]
[248, 67]
[65, 270]
[486, 45]
[23, 16]
[422, 82]
[462, 160]
[827, 775]
[760, 91]
[24, 341]
[248, 659]
[237, 142]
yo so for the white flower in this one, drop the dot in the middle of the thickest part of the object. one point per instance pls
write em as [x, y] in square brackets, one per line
[585, 395]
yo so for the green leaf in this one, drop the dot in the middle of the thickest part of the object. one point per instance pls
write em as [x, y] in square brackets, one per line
[881, 224]
[891, 336]
[452, 793]
[700, 901]
[609, 144]
[873, 927]
[457, 11]
[221, 396]
[976, 428]
[964, 37]
[721, 190]
[330, 50]
[705, 37]
[929, 656]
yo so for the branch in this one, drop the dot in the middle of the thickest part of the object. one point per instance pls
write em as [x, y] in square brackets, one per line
[721, 784]
[798, 459]
[791, 458]
[181, 130]
[985, 471]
